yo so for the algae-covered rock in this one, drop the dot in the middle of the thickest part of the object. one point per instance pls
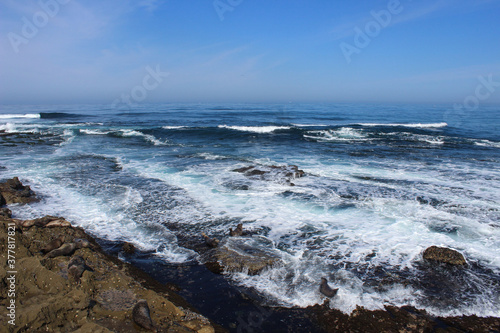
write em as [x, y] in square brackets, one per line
[444, 255]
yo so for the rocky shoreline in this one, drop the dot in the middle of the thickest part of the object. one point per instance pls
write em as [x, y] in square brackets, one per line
[82, 288]
[75, 286]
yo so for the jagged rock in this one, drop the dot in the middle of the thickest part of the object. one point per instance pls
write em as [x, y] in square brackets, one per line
[2, 200]
[128, 248]
[280, 174]
[13, 191]
[238, 256]
[444, 255]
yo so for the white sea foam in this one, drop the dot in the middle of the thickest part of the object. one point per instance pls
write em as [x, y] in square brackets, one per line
[256, 129]
[20, 116]
[94, 131]
[147, 137]
[341, 134]
[173, 127]
[487, 143]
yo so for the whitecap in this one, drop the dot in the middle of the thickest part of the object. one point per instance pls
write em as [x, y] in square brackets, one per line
[256, 129]
[20, 116]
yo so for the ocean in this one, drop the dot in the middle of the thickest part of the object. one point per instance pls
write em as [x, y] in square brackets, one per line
[382, 183]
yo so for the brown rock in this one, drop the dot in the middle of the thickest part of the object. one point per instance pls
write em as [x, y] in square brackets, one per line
[13, 191]
[128, 248]
[444, 255]
[5, 212]
[103, 299]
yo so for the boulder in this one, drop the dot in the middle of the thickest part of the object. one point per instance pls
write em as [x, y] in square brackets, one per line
[444, 255]
[13, 191]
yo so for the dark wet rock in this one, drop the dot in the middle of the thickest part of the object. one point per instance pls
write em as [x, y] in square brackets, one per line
[141, 315]
[13, 191]
[239, 256]
[444, 255]
[280, 174]
[393, 319]
[326, 290]
[2, 200]
[5, 212]
[236, 232]
[128, 248]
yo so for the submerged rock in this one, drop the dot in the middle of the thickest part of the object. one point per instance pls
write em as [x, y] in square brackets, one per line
[13, 191]
[239, 256]
[444, 255]
[280, 174]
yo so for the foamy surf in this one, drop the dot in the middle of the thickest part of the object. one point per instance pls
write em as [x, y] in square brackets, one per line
[20, 116]
[256, 129]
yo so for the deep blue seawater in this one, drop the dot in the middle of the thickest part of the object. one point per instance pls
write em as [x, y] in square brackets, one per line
[383, 182]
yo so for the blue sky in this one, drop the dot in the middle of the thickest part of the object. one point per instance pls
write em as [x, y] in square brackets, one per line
[249, 50]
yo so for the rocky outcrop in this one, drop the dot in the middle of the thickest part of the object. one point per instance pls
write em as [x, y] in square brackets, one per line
[444, 255]
[280, 174]
[238, 256]
[83, 291]
[395, 319]
[13, 191]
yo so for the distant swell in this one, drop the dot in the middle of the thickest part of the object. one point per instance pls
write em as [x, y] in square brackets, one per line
[416, 125]
[14, 116]
[57, 115]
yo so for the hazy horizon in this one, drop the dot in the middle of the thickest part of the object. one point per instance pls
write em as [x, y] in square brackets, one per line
[230, 51]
